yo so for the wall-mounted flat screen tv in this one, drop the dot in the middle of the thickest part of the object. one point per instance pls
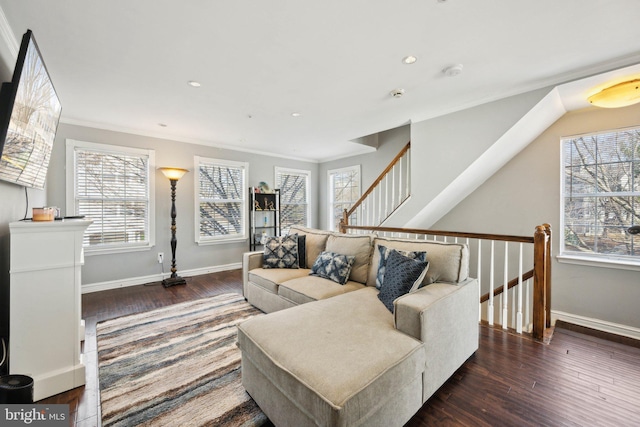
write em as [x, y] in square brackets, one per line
[29, 115]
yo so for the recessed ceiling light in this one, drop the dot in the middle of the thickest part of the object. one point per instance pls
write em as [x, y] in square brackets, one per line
[409, 59]
[453, 70]
[194, 83]
[162, 125]
[296, 114]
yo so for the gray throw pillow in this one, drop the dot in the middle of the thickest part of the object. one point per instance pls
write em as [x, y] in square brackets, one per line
[333, 266]
[281, 252]
[384, 255]
[403, 274]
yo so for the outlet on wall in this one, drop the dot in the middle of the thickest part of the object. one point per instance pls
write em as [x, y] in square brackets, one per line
[160, 257]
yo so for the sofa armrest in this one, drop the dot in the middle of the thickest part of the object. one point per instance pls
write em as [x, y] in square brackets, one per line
[250, 260]
[414, 311]
[446, 318]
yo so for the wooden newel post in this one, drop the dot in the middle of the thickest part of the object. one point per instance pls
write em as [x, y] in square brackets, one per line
[547, 279]
[539, 282]
[344, 221]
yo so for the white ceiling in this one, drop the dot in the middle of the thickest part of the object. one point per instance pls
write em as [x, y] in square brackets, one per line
[125, 64]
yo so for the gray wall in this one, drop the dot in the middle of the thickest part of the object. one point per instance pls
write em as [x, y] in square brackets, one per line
[526, 193]
[100, 268]
[443, 147]
[12, 208]
[371, 165]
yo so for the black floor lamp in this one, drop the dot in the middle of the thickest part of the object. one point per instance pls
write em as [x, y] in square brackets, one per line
[174, 174]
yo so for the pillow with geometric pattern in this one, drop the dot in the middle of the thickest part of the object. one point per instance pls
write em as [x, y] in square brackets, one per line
[333, 266]
[384, 254]
[403, 275]
[281, 252]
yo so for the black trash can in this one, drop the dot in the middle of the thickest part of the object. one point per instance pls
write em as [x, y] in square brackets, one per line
[16, 389]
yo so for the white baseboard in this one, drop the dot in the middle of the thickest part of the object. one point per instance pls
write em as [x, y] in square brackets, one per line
[141, 280]
[597, 324]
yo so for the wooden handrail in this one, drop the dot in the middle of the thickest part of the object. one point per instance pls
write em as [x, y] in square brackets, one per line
[512, 283]
[378, 179]
[497, 237]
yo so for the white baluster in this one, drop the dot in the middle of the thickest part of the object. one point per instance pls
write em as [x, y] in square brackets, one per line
[491, 270]
[479, 276]
[505, 288]
[519, 310]
[527, 305]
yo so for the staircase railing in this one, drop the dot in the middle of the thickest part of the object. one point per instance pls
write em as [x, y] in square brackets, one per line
[386, 194]
[524, 301]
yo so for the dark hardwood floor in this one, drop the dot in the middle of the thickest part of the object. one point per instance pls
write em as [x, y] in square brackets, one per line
[577, 379]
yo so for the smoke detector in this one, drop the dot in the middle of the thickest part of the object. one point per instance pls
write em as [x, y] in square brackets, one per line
[453, 70]
[397, 93]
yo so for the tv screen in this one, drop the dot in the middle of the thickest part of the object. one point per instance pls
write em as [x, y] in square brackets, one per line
[28, 119]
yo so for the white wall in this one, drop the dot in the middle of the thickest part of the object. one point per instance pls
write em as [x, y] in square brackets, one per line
[526, 193]
[190, 256]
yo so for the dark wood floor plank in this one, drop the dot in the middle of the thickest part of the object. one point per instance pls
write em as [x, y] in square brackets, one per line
[576, 380]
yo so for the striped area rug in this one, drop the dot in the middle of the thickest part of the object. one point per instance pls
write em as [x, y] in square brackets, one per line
[176, 366]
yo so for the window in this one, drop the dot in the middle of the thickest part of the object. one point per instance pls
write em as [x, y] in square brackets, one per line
[113, 186]
[344, 191]
[294, 197]
[221, 200]
[601, 196]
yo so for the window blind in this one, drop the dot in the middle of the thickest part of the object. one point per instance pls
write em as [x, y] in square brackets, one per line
[113, 190]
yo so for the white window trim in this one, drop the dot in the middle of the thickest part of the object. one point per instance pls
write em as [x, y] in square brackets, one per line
[330, 194]
[588, 259]
[71, 146]
[307, 173]
[217, 240]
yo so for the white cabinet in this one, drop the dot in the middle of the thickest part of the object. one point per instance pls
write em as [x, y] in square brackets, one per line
[45, 328]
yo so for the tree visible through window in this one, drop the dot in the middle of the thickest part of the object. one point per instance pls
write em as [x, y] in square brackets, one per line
[112, 186]
[294, 197]
[344, 191]
[221, 200]
[602, 194]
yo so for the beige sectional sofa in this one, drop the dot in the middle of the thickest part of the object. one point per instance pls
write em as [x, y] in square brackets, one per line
[334, 355]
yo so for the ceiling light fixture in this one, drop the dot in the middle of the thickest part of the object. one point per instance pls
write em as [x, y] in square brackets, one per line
[409, 59]
[617, 95]
[453, 70]
[296, 114]
[194, 83]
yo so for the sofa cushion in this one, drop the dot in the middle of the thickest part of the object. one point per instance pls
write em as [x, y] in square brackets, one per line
[281, 252]
[384, 255]
[448, 262]
[333, 266]
[359, 246]
[316, 241]
[271, 278]
[335, 359]
[403, 274]
[312, 288]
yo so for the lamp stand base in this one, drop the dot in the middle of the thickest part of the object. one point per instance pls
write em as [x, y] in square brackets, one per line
[172, 281]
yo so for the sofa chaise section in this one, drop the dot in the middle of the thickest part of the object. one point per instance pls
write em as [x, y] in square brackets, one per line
[336, 367]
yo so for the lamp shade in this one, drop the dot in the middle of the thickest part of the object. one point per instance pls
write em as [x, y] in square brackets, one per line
[173, 173]
[618, 95]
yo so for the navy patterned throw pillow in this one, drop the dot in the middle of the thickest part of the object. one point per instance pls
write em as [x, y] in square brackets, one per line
[402, 276]
[333, 266]
[384, 255]
[281, 252]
